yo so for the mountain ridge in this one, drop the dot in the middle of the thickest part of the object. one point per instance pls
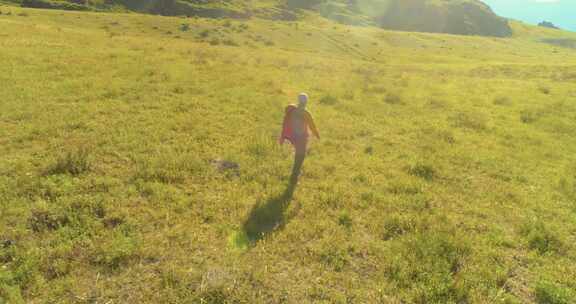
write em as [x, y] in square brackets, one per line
[463, 17]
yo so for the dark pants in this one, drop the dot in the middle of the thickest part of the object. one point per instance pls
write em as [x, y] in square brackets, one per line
[300, 145]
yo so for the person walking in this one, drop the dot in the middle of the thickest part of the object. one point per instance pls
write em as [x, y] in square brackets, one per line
[298, 123]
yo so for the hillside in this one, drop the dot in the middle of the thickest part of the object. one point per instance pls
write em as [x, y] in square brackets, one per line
[445, 172]
[463, 17]
[454, 17]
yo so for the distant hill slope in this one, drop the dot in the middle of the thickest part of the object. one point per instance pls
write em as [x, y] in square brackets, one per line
[470, 17]
[463, 17]
[548, 25]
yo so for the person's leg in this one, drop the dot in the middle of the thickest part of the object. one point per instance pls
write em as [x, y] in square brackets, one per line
[300, 153]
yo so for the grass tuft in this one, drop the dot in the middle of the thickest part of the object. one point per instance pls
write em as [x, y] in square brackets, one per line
[427, 264]
[393, 99]
[422, 170]
[541, 239]
[345, 220]
[75, 162]
[549, 293]
[329, 100]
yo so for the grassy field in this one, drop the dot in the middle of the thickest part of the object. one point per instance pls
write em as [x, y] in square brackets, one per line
[446, 172]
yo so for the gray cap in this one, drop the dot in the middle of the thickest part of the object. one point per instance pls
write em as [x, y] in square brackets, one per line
[302, 99]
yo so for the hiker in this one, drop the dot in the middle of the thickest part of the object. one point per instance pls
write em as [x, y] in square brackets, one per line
[297, 123]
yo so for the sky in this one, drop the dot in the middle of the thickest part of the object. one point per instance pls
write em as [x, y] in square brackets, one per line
[560, 12]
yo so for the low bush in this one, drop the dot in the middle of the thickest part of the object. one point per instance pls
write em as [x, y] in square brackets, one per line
[423, 171]
[184, 27]
[328, 100]
[472, 121]
[393, 98]
[74, 162]
[541, 239]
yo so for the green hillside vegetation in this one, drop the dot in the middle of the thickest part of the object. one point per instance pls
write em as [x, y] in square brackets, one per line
[446, 172]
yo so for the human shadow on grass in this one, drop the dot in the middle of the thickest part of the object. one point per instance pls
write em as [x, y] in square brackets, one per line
[271, 216]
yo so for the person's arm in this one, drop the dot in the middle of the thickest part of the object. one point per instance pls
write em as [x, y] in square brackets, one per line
[312, 125]
[285, 124]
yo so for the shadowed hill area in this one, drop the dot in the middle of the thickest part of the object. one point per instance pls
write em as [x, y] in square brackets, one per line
[463, 17]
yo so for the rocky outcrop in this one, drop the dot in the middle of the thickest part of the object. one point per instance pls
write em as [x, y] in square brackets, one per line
[548, 25]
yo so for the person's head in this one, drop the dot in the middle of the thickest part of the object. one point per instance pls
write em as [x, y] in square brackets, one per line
[302, 100]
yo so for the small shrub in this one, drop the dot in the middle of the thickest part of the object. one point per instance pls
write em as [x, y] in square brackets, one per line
[335, 258]
[549, 293]
[447, 136]
[423, 171]
[43, 219]
[215, 41]
[473, 121]
[229, 42]
[529, 116]
[396, 226]
[544, 90]
[204, 34]
[184, 27]
[345, 220]
[75, 162]
[432, 133]
[368, 197]
[361, 179]
[541, 239]
[116, 252]
[58, 261]
[328, 100]
[377, 89]
[178, 90]
[331, 199]
[403, 189]
[502, 101]
[392, 98]
[369, 150]
[437, 104]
